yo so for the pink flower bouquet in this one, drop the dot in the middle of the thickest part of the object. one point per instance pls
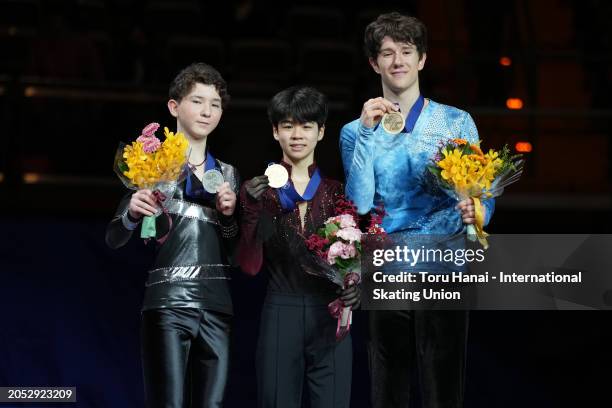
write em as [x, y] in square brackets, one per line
[337, 247]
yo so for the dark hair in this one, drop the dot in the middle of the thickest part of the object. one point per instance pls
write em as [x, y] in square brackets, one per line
[301, 104]
[399, 28]
[198, 73]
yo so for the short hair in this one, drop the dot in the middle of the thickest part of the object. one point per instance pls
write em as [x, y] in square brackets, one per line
[301, 104]
[196, 73]
[399, 28]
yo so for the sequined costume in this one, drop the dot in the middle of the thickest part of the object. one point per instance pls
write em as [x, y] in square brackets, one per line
[391, 169]
[187, 304]
[297, 334]
[380, 167]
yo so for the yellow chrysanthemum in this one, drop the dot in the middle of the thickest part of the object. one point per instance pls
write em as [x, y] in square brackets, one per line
[165, 164]
[469, 173]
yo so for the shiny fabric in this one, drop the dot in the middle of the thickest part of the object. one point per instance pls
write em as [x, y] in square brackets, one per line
[387, 169]
[193, 265]
[392, 169]
[297, 350]
[267, 233]
[192, 210]
[185, 357]
[296, 347]
[432, 342]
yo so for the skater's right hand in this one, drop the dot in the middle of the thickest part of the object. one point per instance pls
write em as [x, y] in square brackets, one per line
[373, 111]
[256, 186]
[350, 296]
[142, 203]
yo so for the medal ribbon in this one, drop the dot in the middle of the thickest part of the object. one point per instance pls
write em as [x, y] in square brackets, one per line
[200, 192]
[289, 196]
[479, 224]
[342, 313]
[414, 113]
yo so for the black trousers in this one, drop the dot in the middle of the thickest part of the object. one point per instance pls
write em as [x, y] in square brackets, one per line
[185, 357]
[432, 341]
[297, 350]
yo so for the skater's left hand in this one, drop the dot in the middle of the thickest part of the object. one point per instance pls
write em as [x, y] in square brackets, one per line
[226, 200]
[466, 207]
[350, 296]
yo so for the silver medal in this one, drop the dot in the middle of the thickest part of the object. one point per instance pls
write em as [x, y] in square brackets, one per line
[212, 180]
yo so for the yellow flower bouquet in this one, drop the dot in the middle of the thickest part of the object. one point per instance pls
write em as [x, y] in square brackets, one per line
[464, 171]
[158, 166]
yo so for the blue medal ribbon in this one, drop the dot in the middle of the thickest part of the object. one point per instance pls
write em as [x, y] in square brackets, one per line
[211, 163]
[414, 113]
[289, 196]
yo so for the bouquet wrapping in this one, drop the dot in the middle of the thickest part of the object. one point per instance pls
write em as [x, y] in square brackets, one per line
[335, 254]
[462, 170]
[148, 163]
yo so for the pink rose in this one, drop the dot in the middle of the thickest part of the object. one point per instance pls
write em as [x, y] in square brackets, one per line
[332, 220]
[347, 220]
[342, 250]
[350, 234]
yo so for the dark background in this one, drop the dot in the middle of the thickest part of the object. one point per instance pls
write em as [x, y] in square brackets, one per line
[77, 77]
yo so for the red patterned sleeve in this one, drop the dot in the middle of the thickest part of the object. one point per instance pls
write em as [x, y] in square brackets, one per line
[250, 247]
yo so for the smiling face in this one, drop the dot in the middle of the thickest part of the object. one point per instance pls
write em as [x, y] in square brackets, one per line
[398, 64]
[298, 140]
[197, 113]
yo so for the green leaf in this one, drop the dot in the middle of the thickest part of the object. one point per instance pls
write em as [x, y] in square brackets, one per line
[436, 171]
[342, 263]
[330, 228]
[122, 166]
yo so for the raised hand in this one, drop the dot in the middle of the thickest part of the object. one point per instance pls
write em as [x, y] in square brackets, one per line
[256, 186]
[226, 200]
[374, 109]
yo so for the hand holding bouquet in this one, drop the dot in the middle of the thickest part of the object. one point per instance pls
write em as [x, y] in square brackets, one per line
[463, 171]
[337, 247]
[148, 163]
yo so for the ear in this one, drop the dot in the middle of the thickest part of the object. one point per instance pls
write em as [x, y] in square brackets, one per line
[422, 61]
[321, 133]
[173, 107]
[374, 65]
[275, 132]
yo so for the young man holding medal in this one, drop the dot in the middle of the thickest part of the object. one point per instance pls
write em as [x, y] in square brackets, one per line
[297, 337]
[385, 154]
[187, 305]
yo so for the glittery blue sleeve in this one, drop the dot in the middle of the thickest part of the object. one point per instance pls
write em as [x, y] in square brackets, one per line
[357, 148]
[470, 133]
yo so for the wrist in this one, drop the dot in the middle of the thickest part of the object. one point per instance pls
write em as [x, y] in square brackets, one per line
[366, 129]
[133, 218]
[225, 219]
[128, 222]
[229, 226]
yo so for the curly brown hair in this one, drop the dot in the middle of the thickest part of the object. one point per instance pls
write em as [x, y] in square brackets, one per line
[195, 73]
[399, 28]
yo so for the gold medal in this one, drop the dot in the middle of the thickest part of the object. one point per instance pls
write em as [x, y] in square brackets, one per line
[393, 122]
[277, 176]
